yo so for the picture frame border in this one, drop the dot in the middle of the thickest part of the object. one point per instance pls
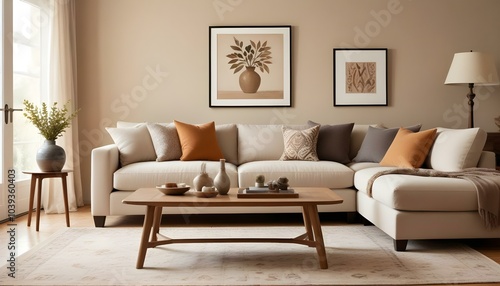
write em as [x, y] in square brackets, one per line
[340, 97]
[213, 67]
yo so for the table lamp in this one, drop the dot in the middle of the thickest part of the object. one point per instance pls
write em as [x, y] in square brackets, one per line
[472, 68]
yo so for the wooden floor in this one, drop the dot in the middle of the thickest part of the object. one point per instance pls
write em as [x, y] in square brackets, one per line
[28, 237]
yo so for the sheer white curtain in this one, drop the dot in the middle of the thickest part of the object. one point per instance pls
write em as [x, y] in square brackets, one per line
[61, 89]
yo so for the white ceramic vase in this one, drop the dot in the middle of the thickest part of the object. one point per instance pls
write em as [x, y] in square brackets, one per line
[221, 181]
[203, 179]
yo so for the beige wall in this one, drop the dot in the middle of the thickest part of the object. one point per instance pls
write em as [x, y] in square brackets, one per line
[147, 60]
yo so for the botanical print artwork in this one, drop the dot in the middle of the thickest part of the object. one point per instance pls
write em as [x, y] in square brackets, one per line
[361, 77]
[251, 56]
[250, 66]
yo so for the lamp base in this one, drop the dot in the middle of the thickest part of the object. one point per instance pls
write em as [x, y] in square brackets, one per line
[471, 97]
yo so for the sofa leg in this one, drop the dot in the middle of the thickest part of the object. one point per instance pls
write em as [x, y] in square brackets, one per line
[400, 244]
[352, 217]
[366, 222]
[99, 221]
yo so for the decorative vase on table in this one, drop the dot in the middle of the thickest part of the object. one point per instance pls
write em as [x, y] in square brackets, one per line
[50, 157]
[203, 179]
[249, 80]
[221, 181]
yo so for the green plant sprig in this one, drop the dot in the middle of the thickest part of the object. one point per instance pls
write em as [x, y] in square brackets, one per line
[253, 55]
[50, 122]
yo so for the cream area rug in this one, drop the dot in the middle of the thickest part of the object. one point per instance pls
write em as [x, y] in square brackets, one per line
[357, 255]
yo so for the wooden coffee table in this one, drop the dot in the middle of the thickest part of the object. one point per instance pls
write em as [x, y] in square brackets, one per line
[309, 199]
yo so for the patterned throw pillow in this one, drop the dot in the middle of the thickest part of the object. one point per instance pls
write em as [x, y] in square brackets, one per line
[165, 141]
[300, 144]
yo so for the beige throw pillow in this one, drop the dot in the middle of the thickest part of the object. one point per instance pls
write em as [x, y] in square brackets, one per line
[300, 144]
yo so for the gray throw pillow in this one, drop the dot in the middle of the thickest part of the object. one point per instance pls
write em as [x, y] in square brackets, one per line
[334, 142]
[376, 143]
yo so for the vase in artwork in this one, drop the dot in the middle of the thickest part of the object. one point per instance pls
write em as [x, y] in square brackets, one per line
[203, 179]
[221, 180]
[249, 80]
[50, 157]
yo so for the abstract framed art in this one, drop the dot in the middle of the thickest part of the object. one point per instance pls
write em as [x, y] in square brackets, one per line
[360, 77]
[250, 66]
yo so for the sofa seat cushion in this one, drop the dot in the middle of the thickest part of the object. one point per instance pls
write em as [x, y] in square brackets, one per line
[356, 166]
[151, 174]
[415, 193]
[299, 173]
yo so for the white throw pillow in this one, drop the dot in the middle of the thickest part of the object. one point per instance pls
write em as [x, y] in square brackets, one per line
[134, 144]
[456, 149]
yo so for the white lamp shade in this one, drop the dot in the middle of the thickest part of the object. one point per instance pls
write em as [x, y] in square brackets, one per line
[472, 67]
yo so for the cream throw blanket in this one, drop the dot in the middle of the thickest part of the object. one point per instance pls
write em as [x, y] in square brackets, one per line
[486, 181]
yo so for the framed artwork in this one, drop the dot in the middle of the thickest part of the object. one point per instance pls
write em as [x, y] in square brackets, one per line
[250, 66]
[360, 77]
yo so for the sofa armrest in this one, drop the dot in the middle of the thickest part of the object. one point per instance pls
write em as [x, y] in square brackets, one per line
[487, 160]
[105, 161]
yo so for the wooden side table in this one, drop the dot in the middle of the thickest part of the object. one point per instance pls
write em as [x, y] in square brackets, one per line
[39, 176]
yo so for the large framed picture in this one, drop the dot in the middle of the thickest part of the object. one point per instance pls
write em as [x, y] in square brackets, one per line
[360, 77]
[250, 66]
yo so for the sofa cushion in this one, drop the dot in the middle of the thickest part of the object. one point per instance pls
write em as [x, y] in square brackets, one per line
[227, 137]
[151, 174]
[261, 142]
[299, 173]
[334, 142]
[300, 144]
[165, 141]
[416, 193]
[409, 149]
[456, 149]
[376, 143]
[198, 142]
[358, 134]
[134, 144]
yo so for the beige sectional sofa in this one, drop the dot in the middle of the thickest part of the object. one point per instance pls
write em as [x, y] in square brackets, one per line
[405, 207]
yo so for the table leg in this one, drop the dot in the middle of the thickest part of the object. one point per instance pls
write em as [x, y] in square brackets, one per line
[65, 195]
[318, 235]
[156, 223]
[32, 198]
[38, 202]
[148, 222]
[307, 223]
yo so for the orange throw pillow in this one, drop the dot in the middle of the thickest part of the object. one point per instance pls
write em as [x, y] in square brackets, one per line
[409, 149]
[198, 142]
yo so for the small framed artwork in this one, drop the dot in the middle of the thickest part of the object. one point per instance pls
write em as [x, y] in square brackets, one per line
[360, 77]
[250, 66]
